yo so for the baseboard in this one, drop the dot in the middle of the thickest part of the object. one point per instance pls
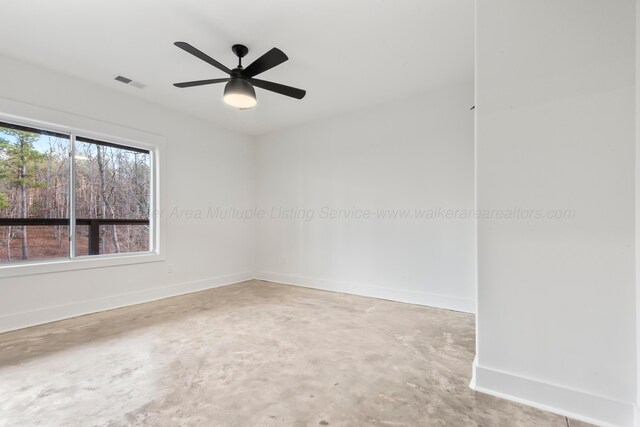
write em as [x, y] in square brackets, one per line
[571, 403]
[421, 298]
[25, 319]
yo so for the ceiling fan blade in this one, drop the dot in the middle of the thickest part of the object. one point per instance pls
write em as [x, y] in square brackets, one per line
[267, 61]
[278, 88]
[200, 82]
[206, 58]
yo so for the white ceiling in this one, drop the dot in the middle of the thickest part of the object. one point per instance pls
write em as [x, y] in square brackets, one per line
[346, 53]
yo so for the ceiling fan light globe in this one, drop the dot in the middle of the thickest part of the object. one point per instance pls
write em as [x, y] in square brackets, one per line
[240, 101]
[239, 93]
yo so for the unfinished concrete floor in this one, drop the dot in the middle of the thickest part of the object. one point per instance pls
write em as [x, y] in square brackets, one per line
[252, 354]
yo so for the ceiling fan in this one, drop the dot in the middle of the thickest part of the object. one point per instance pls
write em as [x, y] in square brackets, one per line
[239, 91]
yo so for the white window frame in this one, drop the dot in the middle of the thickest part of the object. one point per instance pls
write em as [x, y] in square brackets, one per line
[49, 120]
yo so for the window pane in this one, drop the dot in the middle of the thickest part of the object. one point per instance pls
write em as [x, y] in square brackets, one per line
[43, 242]
[131, 238]
[34, 190]
[82, 240]
[112, 183]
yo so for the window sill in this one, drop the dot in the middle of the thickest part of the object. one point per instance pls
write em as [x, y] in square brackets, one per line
[29, 268]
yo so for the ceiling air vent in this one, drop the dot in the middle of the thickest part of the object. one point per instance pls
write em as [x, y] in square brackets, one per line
[129, 82]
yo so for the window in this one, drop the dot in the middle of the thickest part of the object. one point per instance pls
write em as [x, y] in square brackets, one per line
[69, 196]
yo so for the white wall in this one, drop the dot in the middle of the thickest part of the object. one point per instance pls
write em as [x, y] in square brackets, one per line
[409, 155]
[555, 129]
[205, 167]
